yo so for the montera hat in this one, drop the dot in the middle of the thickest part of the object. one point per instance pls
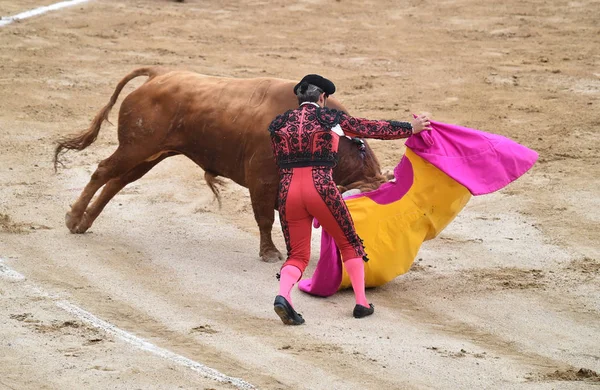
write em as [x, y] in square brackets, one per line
[319, 81]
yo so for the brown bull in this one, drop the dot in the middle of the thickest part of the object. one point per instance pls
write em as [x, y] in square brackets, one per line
[219, 123]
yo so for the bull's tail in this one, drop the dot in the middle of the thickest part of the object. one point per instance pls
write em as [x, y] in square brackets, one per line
[83, 140]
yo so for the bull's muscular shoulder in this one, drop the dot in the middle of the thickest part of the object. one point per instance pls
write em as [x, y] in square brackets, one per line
[329, 117]
[279, 121]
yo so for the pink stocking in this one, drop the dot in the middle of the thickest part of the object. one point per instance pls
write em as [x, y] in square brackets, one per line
[289, 275]
[356, 271]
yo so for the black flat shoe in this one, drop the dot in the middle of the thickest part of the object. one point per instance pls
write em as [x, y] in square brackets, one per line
[286, 312]
[361, 311]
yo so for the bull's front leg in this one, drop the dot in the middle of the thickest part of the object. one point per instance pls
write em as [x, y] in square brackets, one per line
[264, 198]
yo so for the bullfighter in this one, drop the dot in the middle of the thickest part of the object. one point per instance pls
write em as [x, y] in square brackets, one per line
[305, 142]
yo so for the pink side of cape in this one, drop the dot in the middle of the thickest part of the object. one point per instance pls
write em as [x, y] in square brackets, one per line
[482, 162]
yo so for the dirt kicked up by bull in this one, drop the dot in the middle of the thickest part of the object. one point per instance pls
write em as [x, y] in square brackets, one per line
[221, 124]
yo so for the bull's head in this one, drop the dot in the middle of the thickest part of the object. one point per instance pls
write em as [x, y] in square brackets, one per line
[357, 167]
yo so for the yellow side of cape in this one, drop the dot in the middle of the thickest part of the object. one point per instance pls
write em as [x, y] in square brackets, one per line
[393, 233]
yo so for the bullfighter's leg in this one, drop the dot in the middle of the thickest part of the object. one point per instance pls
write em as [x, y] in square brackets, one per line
[327, 205]
[120, 162]
[264, 198]
[112, 188]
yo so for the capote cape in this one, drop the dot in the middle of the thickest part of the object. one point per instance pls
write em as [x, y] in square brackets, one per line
[434, 180]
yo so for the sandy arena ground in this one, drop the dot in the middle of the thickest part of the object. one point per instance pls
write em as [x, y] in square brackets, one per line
[508, 297]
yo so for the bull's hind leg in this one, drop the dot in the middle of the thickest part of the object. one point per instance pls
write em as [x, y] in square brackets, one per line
[264, 198]
[120, 162]
[112, 188]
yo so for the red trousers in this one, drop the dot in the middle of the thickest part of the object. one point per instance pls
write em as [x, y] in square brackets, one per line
[310, 192]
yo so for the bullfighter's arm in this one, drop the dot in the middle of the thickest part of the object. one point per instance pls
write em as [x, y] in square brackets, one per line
[366, 128]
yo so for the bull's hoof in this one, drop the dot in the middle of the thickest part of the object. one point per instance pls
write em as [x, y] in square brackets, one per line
[84, 224]
[77, 225]
[271, 256]
[71, 222]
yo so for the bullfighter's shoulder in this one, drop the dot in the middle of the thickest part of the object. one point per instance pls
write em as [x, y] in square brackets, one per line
[279, 121]
[329, 117]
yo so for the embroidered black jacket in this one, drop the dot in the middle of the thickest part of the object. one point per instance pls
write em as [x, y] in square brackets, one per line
[309, 135]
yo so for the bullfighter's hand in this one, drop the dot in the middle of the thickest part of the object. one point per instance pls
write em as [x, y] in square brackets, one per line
[421, 123]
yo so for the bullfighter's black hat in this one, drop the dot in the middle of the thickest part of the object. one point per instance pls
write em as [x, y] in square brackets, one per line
[319, 81]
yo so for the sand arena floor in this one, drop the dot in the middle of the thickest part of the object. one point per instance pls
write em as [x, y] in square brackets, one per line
[508, 297]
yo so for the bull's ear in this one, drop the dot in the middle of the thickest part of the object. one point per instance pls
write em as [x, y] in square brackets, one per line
[342, 189]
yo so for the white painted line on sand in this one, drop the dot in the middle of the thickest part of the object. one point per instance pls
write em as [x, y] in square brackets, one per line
[38, 11]
[203, 370]
[89, 318]
[9, 274]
